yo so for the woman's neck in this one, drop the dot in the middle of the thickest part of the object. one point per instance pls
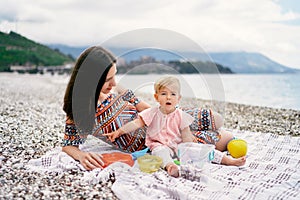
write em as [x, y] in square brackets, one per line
[102, 96]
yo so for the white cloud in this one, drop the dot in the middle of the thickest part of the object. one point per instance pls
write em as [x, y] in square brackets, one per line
[217, 25]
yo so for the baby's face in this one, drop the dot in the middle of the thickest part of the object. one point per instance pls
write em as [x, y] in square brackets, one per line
[168, 98]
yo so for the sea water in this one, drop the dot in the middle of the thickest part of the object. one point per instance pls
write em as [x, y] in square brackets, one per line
[271, 90]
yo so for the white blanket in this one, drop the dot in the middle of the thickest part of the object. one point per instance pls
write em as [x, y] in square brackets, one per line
[272, 171]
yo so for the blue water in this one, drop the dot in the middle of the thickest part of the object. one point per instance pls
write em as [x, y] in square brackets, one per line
[271, 90]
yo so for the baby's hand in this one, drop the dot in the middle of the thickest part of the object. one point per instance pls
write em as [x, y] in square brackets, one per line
[112, 135]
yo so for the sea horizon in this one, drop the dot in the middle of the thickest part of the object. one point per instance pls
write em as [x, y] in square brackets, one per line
[266, 90]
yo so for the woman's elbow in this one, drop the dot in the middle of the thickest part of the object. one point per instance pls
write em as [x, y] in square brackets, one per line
[219, 120]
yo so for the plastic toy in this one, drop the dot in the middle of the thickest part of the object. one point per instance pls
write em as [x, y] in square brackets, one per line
[137, 154]
[149, 163]
[109, 158]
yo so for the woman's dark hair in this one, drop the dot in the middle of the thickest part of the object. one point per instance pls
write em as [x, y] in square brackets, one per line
[85, 84]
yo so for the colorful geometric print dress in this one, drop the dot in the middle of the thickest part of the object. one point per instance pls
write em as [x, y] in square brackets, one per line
[111, 114]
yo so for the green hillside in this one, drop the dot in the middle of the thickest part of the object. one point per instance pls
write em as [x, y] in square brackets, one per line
[18, 50]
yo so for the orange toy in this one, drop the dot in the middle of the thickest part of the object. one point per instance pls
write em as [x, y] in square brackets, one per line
[109, 158]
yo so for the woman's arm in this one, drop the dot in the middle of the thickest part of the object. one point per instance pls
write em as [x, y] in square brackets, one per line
[72, 139]
[142, 105]
[187, 135]
[128, 95]
[219, 120]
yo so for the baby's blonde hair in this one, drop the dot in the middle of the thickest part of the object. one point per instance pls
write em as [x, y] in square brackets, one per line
[166, 81]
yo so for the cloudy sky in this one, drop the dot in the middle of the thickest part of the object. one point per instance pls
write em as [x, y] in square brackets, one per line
[270, 27]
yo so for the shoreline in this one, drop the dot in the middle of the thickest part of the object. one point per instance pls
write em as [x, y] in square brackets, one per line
[32, 123]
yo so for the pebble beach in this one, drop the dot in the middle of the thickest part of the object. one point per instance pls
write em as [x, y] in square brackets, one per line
[32, 123]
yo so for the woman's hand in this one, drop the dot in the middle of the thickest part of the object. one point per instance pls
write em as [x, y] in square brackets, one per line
[90, 160]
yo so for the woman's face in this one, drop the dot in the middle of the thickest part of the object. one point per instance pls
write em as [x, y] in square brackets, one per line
[110, 81]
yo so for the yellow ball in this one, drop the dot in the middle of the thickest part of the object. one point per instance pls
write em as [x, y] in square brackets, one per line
[237, 148]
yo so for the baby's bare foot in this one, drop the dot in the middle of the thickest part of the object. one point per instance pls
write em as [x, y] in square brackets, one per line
[238, 161]
[228, 160]
[172, 170]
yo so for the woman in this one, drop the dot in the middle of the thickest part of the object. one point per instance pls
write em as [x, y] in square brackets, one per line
[88, 97]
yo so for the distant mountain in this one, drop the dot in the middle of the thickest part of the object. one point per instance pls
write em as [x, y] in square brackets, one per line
[128, 59]
[238, 62]
[243, 62]
[68, 50]
[18, 50]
